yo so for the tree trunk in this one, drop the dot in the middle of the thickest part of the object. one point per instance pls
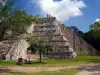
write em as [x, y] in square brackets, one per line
[40, 56]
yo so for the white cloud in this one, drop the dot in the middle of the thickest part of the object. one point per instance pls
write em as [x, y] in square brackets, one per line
[62, 10]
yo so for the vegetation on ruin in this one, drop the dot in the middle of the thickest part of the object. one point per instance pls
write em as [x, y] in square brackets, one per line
[13, 20]
[39, 44]
[36, 45]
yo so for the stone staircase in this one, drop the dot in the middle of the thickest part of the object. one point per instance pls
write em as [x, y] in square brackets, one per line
[5, 47]
[13, 49]
[19, 49]
[60, 45]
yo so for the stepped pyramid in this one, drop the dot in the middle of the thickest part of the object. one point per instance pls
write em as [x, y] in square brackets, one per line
[65, 43]
[61, 48]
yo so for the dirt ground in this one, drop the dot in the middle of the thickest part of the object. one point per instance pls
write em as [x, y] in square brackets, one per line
[85, 69]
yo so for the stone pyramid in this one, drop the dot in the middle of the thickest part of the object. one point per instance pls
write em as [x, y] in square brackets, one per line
[61, 48]
[65, 44]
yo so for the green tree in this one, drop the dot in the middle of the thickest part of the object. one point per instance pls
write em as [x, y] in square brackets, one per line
[4, 9]
[95, 29]
[93, 35]
[13, 19]
[36, 44]
[40, 44]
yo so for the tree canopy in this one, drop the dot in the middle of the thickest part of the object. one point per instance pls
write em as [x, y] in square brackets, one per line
[95, 29]
[13, 19]
[36, 45]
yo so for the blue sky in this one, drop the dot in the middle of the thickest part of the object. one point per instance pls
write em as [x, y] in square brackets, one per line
[90, 12]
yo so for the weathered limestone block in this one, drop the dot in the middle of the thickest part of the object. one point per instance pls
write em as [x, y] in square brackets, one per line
[80, 46]
[60, 45]
[19, 47]
[18, 50]
[5, 46]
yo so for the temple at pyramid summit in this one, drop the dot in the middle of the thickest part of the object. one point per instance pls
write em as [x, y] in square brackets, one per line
[65, 44]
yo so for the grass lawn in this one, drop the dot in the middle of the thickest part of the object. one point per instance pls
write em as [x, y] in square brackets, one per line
[7, 63]
[56, 62]
[53, 63]
[78, 59]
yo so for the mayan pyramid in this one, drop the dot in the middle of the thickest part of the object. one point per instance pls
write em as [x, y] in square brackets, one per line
[61, 48]
[65, 43]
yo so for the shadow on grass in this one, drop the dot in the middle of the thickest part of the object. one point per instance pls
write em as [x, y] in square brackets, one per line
[94, 60]
[36, 62]
[89, 60]
[31, 63]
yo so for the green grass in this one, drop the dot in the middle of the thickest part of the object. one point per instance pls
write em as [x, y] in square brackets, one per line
[7, 63]
[79, 59]
[53, 63]
[56, 62]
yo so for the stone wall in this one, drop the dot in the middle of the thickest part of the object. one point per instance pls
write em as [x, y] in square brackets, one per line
[18, 50]
[16, 47]
[80, 46]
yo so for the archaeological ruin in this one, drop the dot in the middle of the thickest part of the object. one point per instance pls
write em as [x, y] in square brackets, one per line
[65, 44]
